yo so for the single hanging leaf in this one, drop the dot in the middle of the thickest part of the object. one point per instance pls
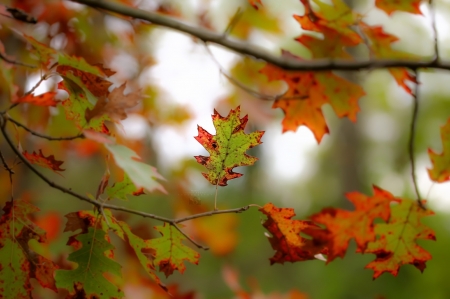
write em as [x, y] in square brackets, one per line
[342, 225]
[45, 99]
[310, 91]
[114, 104]
[169, 250]
[397, 241]
[141, 174]
[440, 172]
[87, 279]
[227, 148]
[123, 188]
[380, 47]
[43, 161]
[286, 239]
[18, 262]
[389, 6]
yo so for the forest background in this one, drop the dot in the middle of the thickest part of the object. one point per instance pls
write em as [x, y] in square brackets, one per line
[183, 81]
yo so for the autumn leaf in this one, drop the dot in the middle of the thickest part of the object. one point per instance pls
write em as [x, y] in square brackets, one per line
[227, 148]
[170, 252]
[114, 104]
[141, 174]
[87, 279]
[440, 172]
[343, 225]
[309, 92]
[380, 47]
[123, 188]
[389, 6]
[397, 241]
[17, 269]
[290, 246]
[255, 3]
[45, 99]
[43, 161]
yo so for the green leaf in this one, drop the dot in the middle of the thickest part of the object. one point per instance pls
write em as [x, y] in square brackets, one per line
[170, 252]
[87, 279]
[123, 188]
[227, 148]
[18, 263]
[141, 174]
[440, 172]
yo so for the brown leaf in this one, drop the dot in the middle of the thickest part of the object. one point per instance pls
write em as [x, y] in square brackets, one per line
[114, 105]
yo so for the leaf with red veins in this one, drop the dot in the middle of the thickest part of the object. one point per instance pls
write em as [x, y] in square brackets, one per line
[380, 47]
[45, 99]
[440, 172]
[290, 246]
[47, 162]
[310, 91]
[389, 6]
[342, 225]
[169, 251]
[396, 244]
[227, 148]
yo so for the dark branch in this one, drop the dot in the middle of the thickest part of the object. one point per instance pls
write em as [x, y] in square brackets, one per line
[42, 135]
[412, 139]
[255, 51]
[210, 213]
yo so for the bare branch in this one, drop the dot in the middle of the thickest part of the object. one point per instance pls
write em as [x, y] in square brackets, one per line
[434, 27]
[412, 139]
[42, 135]
[257, 52]
[9, 60]
[210, 213]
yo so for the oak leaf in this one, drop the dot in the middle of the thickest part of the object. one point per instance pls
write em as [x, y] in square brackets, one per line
[440, 172]
[114, 104]
[290, 246]
[45, 99]
[123, 188]
[43, 161]
[389, 6]
[227, 148]
[18, 262]
[170, 252]
[397, 241]
[343, 225]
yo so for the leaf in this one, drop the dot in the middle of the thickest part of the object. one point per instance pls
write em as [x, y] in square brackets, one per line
[389, 6]
[18, 262]
[286, 239]
[141, 174]
[255, 3]
[123, 188]
[87, 279]
[310, 91]
[45, 99]
[342, 225]
[46, 162]
[44, 53]
[397, 241]
[380, 47]
[114, 105]
[441, 162]
[169, 250]
[227, 148]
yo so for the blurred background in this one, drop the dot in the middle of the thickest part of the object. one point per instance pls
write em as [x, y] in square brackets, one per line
[183, 83]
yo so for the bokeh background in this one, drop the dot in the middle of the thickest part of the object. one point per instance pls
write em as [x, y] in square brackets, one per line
[183, 83]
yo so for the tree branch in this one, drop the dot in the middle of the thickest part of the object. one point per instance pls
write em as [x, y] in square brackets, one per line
[42, 135]
[210, 213]
[255, 51]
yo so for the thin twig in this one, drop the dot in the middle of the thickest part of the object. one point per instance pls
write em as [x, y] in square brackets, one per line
[81, 135]
[434, 27]
[189, 238]
[253, 50]
[210, 213]
[412, 139]
[234, 20]
[8, 60]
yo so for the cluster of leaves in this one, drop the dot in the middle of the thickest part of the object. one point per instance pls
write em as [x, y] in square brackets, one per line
[381, 224]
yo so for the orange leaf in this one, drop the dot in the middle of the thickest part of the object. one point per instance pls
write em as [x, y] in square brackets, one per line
[342, 225]
[47, 162]
[286, 239]
[255, 3]
[389, 6]
[45, 99]
[441, 162]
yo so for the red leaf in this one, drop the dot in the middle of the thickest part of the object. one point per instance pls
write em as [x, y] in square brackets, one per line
[47, 162]
[286, 239]
[45, 99]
